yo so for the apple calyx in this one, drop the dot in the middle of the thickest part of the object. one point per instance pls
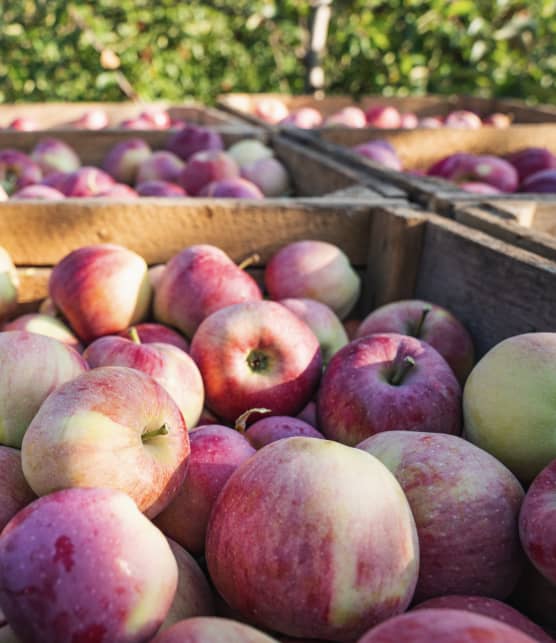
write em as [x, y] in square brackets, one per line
[249, 261]
[419, 328]
[402, 370]
[257, 361]
[134, 335]
[149, 435]
[241, 423]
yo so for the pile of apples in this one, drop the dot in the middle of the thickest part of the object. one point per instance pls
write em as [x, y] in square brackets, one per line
[190, 458]
[274, 111]
[194, 163]
[532, 169]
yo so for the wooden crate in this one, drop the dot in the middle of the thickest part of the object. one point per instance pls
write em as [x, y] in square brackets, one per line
[496, 289]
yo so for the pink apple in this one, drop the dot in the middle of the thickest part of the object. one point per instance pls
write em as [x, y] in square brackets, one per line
[211, 630]
[531, 160]
[479, 188]
[315, 270]
[123, 161]
[279, 427]
[350, 116]
[32, 367]
[159, 118]
[95, 118]
[387, 382]
[383, 117]
[198, 281]
[271, 110]
[204, 168]
[149, 333]
[322, 320]
[256, 354]
[463, 119]
[304, 117]
[9, 285]
[269, 175]
[54, 155]
[492, 608]
[293, 547]
[160, 188]
[101, 289]
[45, 325]
[428, 322]
[118, 191]
[537, 522]
[87, 181]
[309, 414]
[111, 427]
[170, 366]
[191, 139]
[375, 151]
[543, 182]
[248, 151]
[38, 192]
[497, 120]
[216, 452]
[24, 124]
[468, 538]
[232, 189]
[85, 565]
[409, 120]
[193, 595]
[17, 170]
[443, 625]
[15, 493]
[430, 122]
[160, 166]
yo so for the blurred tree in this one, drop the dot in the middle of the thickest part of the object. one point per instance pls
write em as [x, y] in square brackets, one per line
[87, 49]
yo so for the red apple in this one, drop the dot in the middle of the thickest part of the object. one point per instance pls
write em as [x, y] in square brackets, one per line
[123, 161]
[159, 118]
[53, 155]
[85, 565]
[118, 191]
[279, 427]
[443, 625]
[409, 120]
[314, 270]
[40, 192]
[531, 160]
[170, 366]
[15, 493]
[350, 116]
[211, 630]
[191, 139]
[95, 118]
[269, 175]
[149, 333]
[232, 189]
[111, 427]
[17, 170]
[87, 181]
[57, 181]
[304, 117]
[448, 166]
[428, 322]
[160, 166]
[468, 538]
[492, 608]
[207, 417]
[216, 452]
[9, 285]
[430, 122]
[32, 367]
[45, 325]
[101, 289]
[383, 117]
[309, 414]
[24, 124]
[463, 119]
[387, 382]
[271, 110]
[313, 539]
[160, 188]
[543, 182]
[256, 354]
[378, 153]
[204, 168]
[198, 281]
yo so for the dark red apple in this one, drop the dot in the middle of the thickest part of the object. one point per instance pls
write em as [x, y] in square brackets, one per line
[160, 188]
[543, 182]
[124, 159]
[192, 139]
[205, 167]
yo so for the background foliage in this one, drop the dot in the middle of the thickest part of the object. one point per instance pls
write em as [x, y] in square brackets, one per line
[51, 49]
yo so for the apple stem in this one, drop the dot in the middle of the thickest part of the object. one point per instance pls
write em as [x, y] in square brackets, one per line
[241, 423]
[134, 335]
[402, 370]
[162, 430]
[249, 261]
[426, 310]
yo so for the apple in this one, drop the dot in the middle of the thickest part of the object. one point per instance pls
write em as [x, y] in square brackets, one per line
[451, 165]
[443, 625]
[160, 188]
[498, 120]
[409, 120]
[101, 289]
[216, 452]
[193, 595]
[85, 565]
[531, 160]
[32, 367]
[17, 170]
[383, 117]
[204, 168]
[45, 325]
[351, 326]
[468, 537]
[387, 382]
[464, 168]
[492, 608]
[211, 630]
[428, 322]
[159, 118]
[198, 281]
[57, 181]
[160, 166]
[314, 270]
[149, 333]
[85, 182]
[506, 405]
[430, 122]
[232, 189]
[40, 192]
[350, 116]
[170, 366]
[271, 110]
[256, 354]
[537, 524]
[543, 182]
[304, 117]
[15, 493]
[155, 273]
[322, 320]
[137, 123]
[95, 118]
[3, 194]
[118, 191]
[24, 124]
[47, 307]
[111, 427]
[9, 285]
[207, 417]
[311, 538]
[185, 142]
[278, 427]
[463, 119]
[123, 161]
[309, 414]
[269, 175]
[378, 153]
[53, 155]
[479, 188]
[248, 151]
